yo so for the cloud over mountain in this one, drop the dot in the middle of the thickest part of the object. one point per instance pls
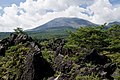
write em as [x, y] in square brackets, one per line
[33, 13]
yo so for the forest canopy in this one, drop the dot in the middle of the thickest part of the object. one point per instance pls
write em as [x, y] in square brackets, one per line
[96, 37]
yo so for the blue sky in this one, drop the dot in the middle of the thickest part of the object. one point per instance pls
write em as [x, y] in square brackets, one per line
[5, 3]
[115, 1]
[33, 13]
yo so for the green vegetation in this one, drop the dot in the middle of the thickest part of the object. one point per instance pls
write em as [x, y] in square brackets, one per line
[13, 62]
[51, 33]
[64, 55]
[19, 30]
[106, 41]
[96, 37]
[41, 35]
[88, 77]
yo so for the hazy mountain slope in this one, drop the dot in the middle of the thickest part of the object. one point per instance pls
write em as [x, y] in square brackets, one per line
[116, 22]
[112, 23]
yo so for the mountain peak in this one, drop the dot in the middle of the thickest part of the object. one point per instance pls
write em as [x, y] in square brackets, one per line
[64, 22]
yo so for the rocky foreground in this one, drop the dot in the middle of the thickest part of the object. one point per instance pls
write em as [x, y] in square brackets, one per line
[22, 58]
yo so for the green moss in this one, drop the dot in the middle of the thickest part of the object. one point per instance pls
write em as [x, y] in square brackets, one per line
[48, 55]
[87, 77]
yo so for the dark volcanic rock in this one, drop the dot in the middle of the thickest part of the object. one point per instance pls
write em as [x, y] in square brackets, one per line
[36, 68]
[96, 58]
[63, 51]
[21, 38]
[14, 39]
[110, 69]
[2, 50]
[66, 66]
[105, 68]
[61, 65]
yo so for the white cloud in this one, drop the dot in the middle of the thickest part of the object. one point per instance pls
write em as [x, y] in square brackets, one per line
[33, 13]
[103, 12]
[0, 7]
